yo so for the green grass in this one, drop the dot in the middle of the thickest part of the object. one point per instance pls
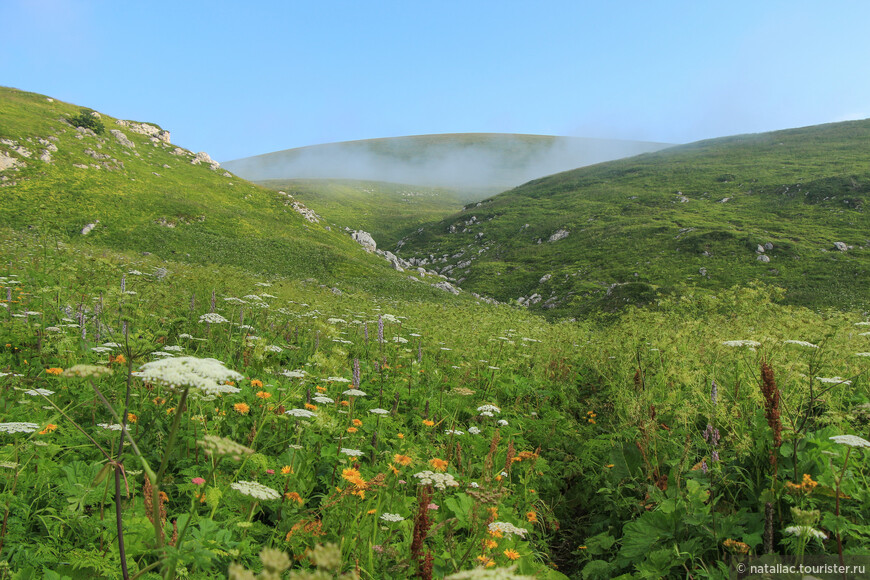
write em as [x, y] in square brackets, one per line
[801, 190]
[388, 211]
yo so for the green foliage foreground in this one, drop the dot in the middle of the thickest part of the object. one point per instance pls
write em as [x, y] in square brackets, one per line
[487, 437]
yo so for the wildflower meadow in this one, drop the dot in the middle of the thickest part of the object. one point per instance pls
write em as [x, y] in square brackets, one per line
[166, 420]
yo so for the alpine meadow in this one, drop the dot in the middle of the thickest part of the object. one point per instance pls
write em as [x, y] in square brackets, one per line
[654, 366]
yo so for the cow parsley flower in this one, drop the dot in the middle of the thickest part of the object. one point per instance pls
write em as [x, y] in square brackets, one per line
[298, 374]
[18, 427]
[354, 393]
[850, 440]
[379, 411]
[37, 392]
[502, 422]
[507, 528]
[438, 480]
[453, 432]
[205, 374]
[352, 452]
[801, 343]
[488, 408]
[213, 318]
[274, 348]
[303, 413]
[338, 380]
[833, 380]
[387, 517]
[216, 445]
[474, 430]
[322, 400]
[805, 531]
[255, 490]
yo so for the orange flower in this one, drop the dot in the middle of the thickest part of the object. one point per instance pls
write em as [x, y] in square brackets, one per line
[438, 464]
[159, 401]
[352, 475]
[48, 429]
[170, 410]
[393, 469]
[403, 460]
[231, 383]
[293, 496]
[320, 389]
[496, 533]
[256, 383]
[53, 370]
[372, 512]
[490, 544]
[344, 403]
[357, 423]
[242, 408]
[119, 359]
[400, 435]
[511, 554]
[352, 429]
[132, 418]
[286, 470]
[428, 423]
[310, 407]
[264, 394]
[532, 517]
[808, 484]
[493, 512]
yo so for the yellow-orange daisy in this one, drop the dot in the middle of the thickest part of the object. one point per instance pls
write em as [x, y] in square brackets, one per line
[256, 383]
[352, 429]
[286, 470]
[428, 423]
[54, 371]
[402, 459]
[438, 464]
[511, 554]
[242, 408]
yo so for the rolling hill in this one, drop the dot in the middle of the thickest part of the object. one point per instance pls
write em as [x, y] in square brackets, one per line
[388, 211]
[787, 208]
[74, 174]
[475, 164]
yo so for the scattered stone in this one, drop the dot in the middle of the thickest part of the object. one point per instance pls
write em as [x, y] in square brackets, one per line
[122, 139]
[702, 271]
[145, 129]
[768, 246]
[759, 249]
[203, 157]
[841, 246]
[558, 235]
[80, 165]
[7, 162]
[446, 286]
[45, 156]
[227, 174]
[87, 229]
[178, 151]
[763, 258]
[725, 200]
[364, 239]
[544, 278]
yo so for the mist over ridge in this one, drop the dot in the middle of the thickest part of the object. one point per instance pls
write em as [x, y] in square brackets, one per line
[493, 161]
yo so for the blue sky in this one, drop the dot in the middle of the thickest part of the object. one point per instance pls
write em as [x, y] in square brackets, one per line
[238, 79]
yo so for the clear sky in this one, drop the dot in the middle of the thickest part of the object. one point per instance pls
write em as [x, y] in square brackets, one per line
[243, 78]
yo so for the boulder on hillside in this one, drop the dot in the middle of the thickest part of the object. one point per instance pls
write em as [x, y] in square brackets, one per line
[559, 235]
[122, 139]
[446, 286]
[203, 157]
[364, 239]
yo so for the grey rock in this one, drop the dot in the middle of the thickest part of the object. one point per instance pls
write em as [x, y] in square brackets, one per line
[559, 235]
[841, 246]
[122, 139]
[446, 286]
[763, 258]
[364, 239]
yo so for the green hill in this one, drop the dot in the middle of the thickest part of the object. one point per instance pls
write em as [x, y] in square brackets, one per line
[388, 211]
[130, 190]
[475, 164]
[773, 207]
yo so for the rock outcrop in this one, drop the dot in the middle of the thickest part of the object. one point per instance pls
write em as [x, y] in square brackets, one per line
[122, 139]
[203, 157]
[364, 239]
[559, 235]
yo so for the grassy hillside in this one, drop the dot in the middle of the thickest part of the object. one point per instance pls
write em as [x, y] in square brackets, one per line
[388, 211]
[694, 214]
[148, 196]
[475, 164]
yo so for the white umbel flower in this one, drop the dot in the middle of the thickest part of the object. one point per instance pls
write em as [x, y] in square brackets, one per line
[850, 440]
[352, 452]
[387, 517]
[205, 374]
[303, 413]
[801, 343]
[354, 393]
[507, 528]
[834, 380]
[752, 343]
[18, 427]
[805, 531]
[379, 411]
[488, 408]
[213, 318]
[439, 480]
[256, 490]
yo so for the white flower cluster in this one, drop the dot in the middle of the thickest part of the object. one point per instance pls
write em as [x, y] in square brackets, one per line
[173, 348]
[752, 343]
[474, 430]
[439, 480]
[387, 517]
[294, 374]
[834, 380]
[256, 490]
[453, 432]
[336, 321]
[274, 348]
[234, 300]
[379, 411]
[805, 531]
[850, 440]
[303, 413]
[18, 427]
[322, 400]
[37, 392]
[110, 426]
[216, 445]
[502, 422]
[507, 528]
[352, 452]
[801, 343]
[213, 318]
[488, 409]
[338, 380]
[252, 297]
[354, 393]
[205, 374]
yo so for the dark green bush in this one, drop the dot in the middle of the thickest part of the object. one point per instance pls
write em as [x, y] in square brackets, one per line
[86, 119]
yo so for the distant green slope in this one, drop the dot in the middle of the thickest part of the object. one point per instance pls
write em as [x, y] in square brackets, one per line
[148, 196]
[475, 164]
[388, 211]
[692, 214]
